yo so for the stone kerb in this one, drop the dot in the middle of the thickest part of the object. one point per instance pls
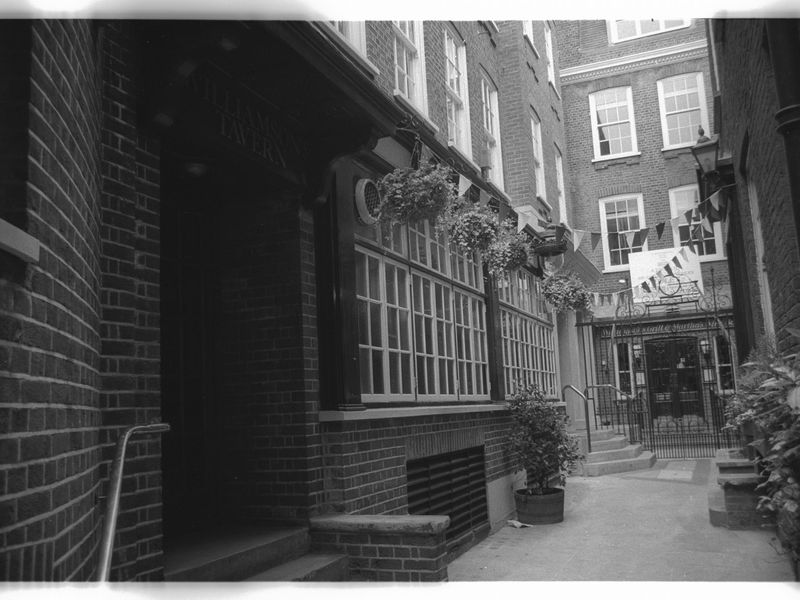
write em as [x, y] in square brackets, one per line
[386, 547]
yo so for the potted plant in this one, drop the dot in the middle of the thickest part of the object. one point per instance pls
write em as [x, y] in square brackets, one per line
[768, 397]
[565, 291]
[509, 251]
[415, 194]
[469, 226]
[540, 444]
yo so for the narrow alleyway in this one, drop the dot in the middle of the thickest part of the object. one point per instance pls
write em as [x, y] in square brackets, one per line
[649, 525]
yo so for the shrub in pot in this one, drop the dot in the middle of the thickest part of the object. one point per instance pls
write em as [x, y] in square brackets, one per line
[565, 291]
[541, 445]
[511, 250]
[469, 226]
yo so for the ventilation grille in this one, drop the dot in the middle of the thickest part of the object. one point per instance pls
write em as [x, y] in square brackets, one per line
[368, 201]
[452, 484]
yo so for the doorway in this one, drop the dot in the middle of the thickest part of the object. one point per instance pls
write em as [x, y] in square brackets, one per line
[674, 381]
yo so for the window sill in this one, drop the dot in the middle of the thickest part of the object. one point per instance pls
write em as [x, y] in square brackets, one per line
[553, 87]
[615, 157]
[676, 149]
[617, 269]
[407, 104]
[19, 243]
[369, 414]
[532, 46]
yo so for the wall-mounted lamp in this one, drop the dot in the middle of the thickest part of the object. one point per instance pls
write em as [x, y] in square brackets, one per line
[637, 351]
[604, 365]
[706, 153]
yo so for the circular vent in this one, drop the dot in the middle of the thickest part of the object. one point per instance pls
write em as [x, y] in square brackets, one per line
[368, 201]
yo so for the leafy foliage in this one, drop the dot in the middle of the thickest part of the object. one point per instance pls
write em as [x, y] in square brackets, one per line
[565, 291]
[470, 226]
[509, 251]
[539, 440]
[415, 194]
[769, 396]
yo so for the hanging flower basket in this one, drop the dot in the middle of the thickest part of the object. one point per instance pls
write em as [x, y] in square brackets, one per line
[549, 247]
[469, 226]
[565, 291]
[508, 252]
[415, 194]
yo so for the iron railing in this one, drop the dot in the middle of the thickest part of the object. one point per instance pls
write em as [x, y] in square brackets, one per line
[115, 486]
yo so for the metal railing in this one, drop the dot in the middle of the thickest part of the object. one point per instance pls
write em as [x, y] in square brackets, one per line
[115, 485]
[585, 411]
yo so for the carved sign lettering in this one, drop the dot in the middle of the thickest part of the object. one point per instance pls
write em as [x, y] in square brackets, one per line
[247, 126]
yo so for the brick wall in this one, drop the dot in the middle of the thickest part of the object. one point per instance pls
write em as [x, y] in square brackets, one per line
[365, 461]
[268, 375]
[748, 132]
[49, 338]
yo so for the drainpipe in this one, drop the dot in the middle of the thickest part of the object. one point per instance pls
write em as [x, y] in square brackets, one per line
[783, 36]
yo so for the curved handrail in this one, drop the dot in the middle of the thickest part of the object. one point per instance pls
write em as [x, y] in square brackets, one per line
[585, 411]
[115, 483]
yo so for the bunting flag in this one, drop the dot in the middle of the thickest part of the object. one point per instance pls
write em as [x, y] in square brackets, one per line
[660, 229]
[629, 237]
[645, 287]
[688, 215]
[714, 200]
[653, 281]
[703, 209]
[595, 239]
[615, 299]
[677, 261]
[706, 224]
[643, 233]
[595, 298]
[484, 198]
[577, 237]
[463, 185]
[682, 252]
[668, 268]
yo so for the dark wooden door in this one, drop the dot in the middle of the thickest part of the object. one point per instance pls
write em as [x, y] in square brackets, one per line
[674, 383]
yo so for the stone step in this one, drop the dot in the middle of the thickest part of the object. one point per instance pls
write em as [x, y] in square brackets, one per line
[645, 460]
[614, 443]
[603, 434]
[233, 553]
[309, 567]
[629, 451]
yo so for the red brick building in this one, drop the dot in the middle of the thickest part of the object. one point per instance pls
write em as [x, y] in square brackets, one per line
[635, 93]
[187, 237]
[755, 89]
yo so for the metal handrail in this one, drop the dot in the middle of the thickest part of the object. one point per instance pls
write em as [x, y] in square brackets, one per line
[115, 483]
[585, 411]
[626, 396]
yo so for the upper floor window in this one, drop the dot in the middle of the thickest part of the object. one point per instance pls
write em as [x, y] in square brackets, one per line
[682, 103]
[491, 127]
[457, 96]
[621, 217]
[538, 156]
[562, 199]
[409, 63]
[527, 32]
[707, 242]
[353, 32]
[628, 29]
[548, 49]
[613, 124]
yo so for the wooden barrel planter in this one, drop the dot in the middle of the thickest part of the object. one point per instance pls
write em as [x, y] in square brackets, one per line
[540, 509]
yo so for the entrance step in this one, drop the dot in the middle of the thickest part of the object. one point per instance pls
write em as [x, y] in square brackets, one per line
[603, 434]
[640, 460]
[310, 567]
[627, 451]
[612, 443]
[232, 553]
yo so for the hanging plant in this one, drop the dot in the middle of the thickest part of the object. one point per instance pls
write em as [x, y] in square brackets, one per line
[469, 226]
[510, 251]
[565, 291]
[415, 194]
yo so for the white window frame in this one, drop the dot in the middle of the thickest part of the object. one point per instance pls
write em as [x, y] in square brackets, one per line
[415, 51]
[458, 97]
[354, 32]
[527, 33]
[676, 211]
[562, 195]
[614, 31]
[491, 127]
[538, 155]
[548, 50]
[608, 267]
[595, 125]
[662, 98]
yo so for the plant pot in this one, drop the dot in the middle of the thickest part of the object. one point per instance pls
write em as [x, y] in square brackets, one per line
[536, 509]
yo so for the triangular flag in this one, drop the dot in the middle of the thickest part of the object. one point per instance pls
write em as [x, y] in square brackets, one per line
[484, 198]
[642, 236]
[595, 239]
[668, 268]
[690, 246]
[595, 298]
[629, 237]
[688, 216]
[706, 224]
[683, 252]
[703, 208]
[714, 199]
[615, 298]
[677, 261]
[577, 237]
[660, 229]
[645, 287]
[463, 184]
[653, 281]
